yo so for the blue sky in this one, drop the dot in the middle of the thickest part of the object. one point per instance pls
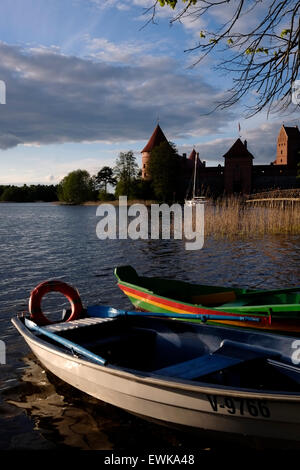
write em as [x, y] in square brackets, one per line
[85, 82]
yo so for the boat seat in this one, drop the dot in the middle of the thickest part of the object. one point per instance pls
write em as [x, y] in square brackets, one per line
[71, 325]
[229, 354]
[215, 298]
[236, 303]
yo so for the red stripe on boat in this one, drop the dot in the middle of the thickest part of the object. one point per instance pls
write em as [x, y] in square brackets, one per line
[172, 304]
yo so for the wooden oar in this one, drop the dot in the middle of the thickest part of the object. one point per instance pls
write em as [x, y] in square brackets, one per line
[102, 310]
[65, 342]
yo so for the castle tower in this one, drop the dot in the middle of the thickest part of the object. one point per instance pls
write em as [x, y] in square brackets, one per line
[288, 146]
[156, 139]
[238, 169]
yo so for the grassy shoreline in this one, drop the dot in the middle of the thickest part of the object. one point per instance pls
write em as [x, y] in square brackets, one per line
[113, 203]
[230, 217]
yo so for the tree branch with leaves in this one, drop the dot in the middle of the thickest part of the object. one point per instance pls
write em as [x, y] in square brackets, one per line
[264, 59]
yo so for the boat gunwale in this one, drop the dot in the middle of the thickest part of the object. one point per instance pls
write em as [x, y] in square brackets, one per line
[243, 291]
[153, 294]
[154, 379]
[208, 309]
[257, 311]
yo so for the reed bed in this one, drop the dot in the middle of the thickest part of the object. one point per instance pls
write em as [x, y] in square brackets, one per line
[232, 217]
[277, 193]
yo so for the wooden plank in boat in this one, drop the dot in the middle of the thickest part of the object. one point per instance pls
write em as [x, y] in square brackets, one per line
[71, 325]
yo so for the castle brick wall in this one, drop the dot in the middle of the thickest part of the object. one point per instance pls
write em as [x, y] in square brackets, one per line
[238, 175]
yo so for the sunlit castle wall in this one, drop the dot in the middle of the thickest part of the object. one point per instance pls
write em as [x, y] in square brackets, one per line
[145, 160]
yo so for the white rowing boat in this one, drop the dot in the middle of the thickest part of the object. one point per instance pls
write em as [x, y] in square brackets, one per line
[197, 376]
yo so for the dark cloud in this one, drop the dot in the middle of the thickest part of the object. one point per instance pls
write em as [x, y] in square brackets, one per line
[54, 98]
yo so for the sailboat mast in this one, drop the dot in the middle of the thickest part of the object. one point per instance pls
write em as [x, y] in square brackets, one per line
[195, 173]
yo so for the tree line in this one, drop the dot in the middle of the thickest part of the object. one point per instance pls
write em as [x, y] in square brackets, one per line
[125, 178]
[166, 182]
[32, 193]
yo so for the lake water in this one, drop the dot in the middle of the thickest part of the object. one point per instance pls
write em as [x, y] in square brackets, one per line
[43, 241]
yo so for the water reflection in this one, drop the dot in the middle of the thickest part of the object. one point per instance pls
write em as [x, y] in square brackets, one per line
[63, 417]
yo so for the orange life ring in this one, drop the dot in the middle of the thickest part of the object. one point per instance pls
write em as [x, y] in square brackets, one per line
[43, 288]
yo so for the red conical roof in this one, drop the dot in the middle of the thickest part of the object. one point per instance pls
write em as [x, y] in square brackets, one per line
[156, 139]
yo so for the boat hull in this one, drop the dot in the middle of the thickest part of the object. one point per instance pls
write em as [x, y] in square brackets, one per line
[274, 310]
[153, 303]
[188, 405]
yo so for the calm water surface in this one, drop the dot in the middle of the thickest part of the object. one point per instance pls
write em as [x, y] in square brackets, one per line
[43, 241]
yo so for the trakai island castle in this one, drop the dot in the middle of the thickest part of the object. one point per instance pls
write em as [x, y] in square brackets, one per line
[239, 174]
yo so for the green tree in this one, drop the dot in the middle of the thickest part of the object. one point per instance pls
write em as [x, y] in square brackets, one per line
[164, 170]
[13, 194]
[77, 187]
[262, 56]
[142, 189]
[103, 178]
[103, 196]
[30, 193]
[126, 172]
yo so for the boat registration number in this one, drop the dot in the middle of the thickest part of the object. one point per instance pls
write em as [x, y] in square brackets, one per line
[240, 406]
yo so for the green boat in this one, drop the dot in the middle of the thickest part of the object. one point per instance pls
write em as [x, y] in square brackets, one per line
[275, 310]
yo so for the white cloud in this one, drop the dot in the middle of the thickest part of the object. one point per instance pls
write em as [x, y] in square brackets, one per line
[103, 4]
[121, 5]
[124, 52]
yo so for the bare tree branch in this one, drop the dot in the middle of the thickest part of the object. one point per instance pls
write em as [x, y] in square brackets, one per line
[263, 60]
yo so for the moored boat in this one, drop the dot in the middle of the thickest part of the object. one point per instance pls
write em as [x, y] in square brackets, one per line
[277, 310]
[194, 200]
[210, 378]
